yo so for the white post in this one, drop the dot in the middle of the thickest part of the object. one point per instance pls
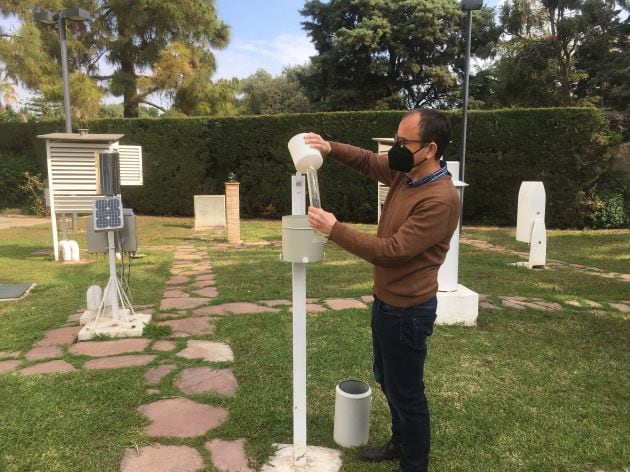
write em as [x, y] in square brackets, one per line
[112, 286]
[449, 270]
[298, 207]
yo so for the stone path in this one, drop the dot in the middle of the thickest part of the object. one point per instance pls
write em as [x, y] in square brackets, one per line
[550, 262]
[187, 309]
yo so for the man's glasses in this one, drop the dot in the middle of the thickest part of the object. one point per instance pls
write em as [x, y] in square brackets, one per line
[403, 142]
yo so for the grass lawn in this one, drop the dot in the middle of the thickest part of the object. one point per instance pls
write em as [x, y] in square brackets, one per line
[524, 390]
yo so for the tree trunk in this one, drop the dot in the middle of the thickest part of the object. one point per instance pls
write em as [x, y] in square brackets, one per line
[130, 108]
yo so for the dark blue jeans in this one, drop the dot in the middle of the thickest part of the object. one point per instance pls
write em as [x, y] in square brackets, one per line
[399, 342]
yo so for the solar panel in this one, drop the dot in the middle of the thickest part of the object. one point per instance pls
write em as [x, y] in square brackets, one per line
[108, 213]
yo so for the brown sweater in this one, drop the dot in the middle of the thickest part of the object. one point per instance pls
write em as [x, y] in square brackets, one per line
[413, 234]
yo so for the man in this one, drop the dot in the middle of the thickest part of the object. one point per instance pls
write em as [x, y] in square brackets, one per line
[419, 217]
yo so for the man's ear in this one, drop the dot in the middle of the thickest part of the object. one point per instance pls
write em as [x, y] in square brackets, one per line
[432, 150]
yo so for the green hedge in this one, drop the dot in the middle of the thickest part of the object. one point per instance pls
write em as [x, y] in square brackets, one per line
[564, 148]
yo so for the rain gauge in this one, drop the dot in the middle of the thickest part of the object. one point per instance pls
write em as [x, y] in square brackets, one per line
[302, 245]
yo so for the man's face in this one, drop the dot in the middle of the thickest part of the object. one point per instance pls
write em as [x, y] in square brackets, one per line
[408, 135]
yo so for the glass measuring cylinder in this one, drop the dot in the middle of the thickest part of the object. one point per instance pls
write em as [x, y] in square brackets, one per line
[313, 195]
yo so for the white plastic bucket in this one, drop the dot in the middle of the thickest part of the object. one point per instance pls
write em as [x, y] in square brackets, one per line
[94, 296]
[304, 156]
[74, 250]
[352, 413]
[65, 254]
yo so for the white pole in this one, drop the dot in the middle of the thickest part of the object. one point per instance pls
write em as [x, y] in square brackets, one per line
[299, 364]
[298, 206]
[112, 286]
[51, 193]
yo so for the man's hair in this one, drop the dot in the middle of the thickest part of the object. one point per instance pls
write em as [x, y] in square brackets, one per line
[434, 126]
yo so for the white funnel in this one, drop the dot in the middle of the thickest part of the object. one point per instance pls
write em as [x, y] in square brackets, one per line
[303, 155]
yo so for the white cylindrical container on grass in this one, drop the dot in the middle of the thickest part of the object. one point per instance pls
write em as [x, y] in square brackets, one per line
[65, 254]
[353, 402]
[74, 250]
[94, 296]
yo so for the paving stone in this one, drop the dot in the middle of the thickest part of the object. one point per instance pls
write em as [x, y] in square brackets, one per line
[154, 375]
[367, 298]
[48, 368]
[551, 305]
[109, 348]
[573, 303]
[594, 304]
[275, 303]
[175, 294]
[160, 458]
[208, 350]
[228, 456]
[182, 303]
[204, 380]
[535, 306]
[209, 292]
[9, 354]
[44, 352]
[344, 303]
[236, 308]
[152, 391]
[117, 362]
[58, 336]
[203, 271]
[171, 315]
[163, 346]
[515, 299]
[8, 366]
[510, 304]
[313, 308]
[622, 307]
[206, 277]
[178, 280]
[189, 257]
[181, 418]
[489, 306]
[203, 284]
[194, 326]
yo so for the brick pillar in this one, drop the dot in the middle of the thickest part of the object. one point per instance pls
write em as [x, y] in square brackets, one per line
[232, 212]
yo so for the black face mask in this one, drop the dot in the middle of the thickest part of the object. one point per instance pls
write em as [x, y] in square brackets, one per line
[401, 159]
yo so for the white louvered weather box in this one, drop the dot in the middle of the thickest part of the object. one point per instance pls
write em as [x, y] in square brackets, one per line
[382, 190]
[72, 173]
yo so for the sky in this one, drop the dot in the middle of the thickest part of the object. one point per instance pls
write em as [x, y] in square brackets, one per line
[265, 34]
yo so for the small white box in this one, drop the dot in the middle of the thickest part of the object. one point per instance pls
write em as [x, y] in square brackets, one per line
[209, 211]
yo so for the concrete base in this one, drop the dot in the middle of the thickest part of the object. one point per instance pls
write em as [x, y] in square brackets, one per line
[318, 459]
[105, 326]
[458, 307]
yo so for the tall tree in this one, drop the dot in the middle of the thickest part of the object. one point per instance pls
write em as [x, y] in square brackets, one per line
[561, 52]
[129, 36]
[264, 94]
[388, 54]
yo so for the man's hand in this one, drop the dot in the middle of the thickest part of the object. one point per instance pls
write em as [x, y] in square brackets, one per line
[316, 141]
[321, 220]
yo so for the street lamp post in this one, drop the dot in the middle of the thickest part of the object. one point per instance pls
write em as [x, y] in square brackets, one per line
[469, 6]
[47, 17]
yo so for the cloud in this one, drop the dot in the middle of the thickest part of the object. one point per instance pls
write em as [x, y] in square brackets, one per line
[243, 57]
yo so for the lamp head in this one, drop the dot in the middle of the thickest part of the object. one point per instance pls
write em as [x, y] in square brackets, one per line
[76, 14]
[46, 17]
[471, 4]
